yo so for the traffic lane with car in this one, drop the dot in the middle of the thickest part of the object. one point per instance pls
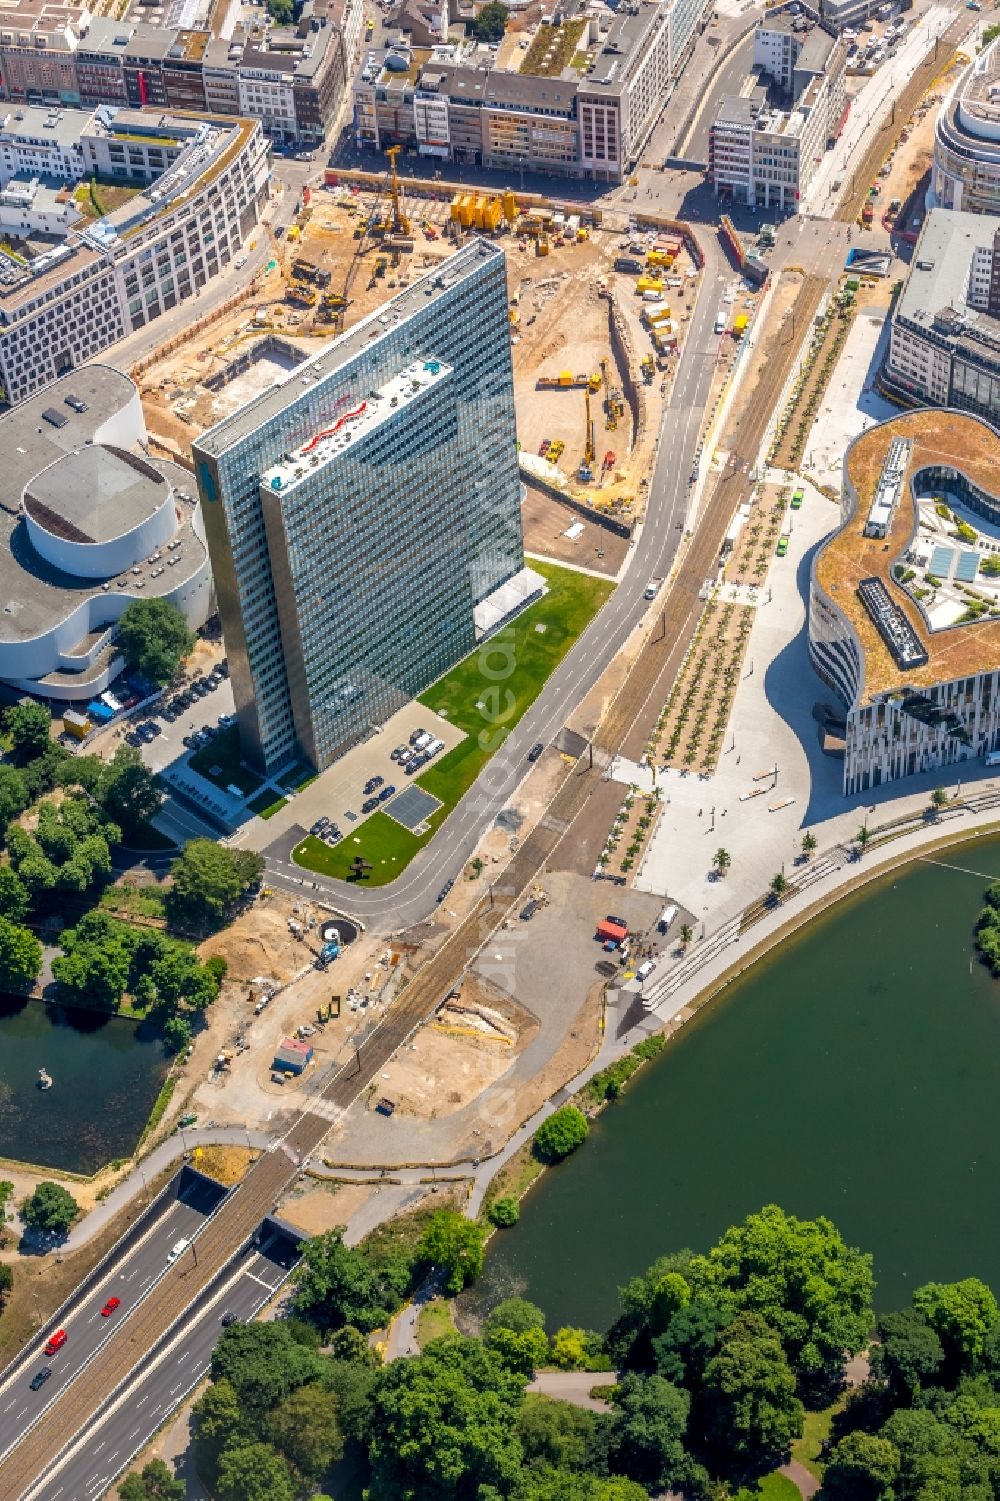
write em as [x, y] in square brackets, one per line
[84, 1324]
[159, 1388]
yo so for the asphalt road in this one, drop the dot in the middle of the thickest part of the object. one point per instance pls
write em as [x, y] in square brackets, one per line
[411, 898]
[730, 79]
[87, 1331]
[163, 1380]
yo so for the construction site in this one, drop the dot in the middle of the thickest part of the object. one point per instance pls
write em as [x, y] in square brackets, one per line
[593, 347]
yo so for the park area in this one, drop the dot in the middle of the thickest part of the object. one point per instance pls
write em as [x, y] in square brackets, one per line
[468, 697]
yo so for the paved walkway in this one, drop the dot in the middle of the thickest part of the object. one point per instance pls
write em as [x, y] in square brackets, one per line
[135, 1184]
[801, 1478]
[573, 1386]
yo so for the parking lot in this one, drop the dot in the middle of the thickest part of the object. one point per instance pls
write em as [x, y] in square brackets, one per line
[202, 714]
[339, 795]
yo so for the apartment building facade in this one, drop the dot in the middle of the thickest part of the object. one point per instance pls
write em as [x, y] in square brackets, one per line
[292, 80]
[207, 182]
[357, 515]
[966, 169]
[586, 124]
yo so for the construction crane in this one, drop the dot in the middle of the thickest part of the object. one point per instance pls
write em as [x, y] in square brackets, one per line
[586, 469]
[371, 228]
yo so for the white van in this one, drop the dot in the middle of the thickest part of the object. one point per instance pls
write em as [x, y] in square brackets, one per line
[666, 918]
[422, 741]
[645, 969]
[434, 747]
[720, 321]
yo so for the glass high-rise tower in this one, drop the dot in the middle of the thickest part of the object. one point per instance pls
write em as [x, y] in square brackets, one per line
[358, 512]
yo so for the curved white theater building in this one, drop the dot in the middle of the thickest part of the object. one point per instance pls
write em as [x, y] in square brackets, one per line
[88, 523]
[966, 171]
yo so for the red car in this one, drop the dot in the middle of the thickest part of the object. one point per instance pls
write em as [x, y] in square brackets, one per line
[56, 1342]
[110, 1307]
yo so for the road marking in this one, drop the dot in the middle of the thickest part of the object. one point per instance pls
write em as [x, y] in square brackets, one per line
[254, 1278]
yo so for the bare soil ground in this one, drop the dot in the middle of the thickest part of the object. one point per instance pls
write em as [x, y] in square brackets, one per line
[323, 1204]
[450, 1060]
[546, 522]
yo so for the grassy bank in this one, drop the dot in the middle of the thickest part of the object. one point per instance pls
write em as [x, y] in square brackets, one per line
[486, 695]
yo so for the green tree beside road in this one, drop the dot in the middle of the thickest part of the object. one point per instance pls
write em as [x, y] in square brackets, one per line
[50, 1209]
[561, 1133]
[208, 880]
[153, 1483]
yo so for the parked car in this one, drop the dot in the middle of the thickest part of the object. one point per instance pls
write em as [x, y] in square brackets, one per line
[398, 753]
[369, 805]
[110, 1307]
[133, 739]
[188, 740]
[373, 783]
[386, 793]
[416, 736]
[319, 826]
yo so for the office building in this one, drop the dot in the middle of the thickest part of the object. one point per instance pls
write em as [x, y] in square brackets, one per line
[88, 523]
[944, 346]
[966, 170]
[204, 183]
[292, 79]
[915, 665]
[589, 119]
[766, 142]
[360, 512]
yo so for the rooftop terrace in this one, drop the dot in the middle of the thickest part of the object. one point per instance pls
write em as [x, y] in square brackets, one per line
[939, 438]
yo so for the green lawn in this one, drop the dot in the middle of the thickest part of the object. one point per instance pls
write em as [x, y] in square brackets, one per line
[771, 1488]
[433, 1321]
[267, 804]
[485, 695]
[815, 1430]
[223, 752]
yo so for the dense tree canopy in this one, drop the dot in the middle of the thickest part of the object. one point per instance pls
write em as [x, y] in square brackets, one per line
[812, 1288]
[752, 1411]
[153, 1483]
[128, 792]
[208, 879]
[491, 22]
[28, 726]
[154, 639]
[454, 1246]
[445, 1424]
[20, 956]
[336, 1285]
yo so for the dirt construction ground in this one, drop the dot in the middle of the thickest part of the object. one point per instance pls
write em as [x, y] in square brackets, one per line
[560, 322]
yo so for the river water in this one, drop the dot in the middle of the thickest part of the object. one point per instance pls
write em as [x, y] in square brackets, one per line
[854, 1073]
[106, 1075]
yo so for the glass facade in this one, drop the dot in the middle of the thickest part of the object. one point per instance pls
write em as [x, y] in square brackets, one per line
[350, 587]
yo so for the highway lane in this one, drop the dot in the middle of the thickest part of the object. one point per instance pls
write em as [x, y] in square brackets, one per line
[161, 1384]
[411, 898]
[126, 1279]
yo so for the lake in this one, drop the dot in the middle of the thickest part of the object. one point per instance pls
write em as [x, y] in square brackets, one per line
[854, 1073]
[106, 1075]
